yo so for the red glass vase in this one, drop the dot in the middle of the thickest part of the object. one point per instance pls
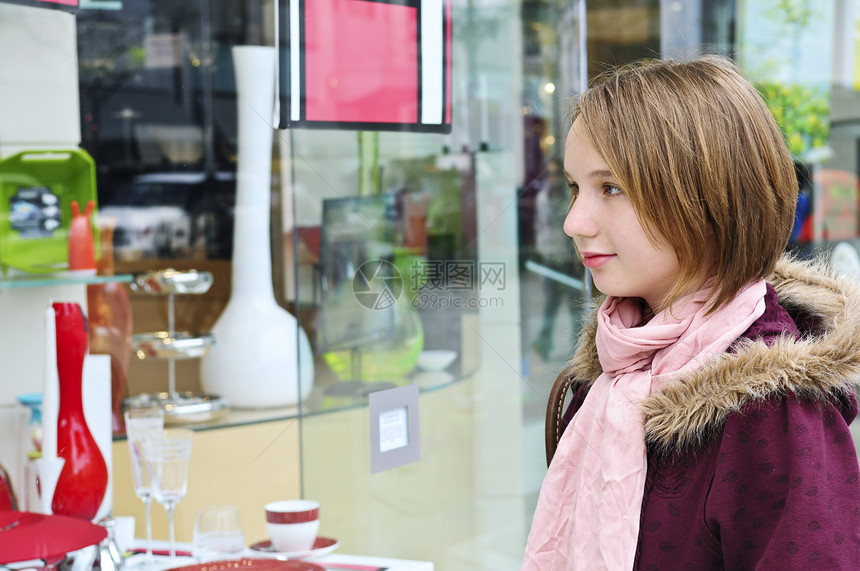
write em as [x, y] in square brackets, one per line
[83, 481]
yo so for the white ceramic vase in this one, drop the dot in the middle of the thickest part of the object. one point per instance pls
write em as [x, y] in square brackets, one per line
[262, 357]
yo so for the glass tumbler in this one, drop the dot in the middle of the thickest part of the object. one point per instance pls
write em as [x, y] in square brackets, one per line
[217, 534]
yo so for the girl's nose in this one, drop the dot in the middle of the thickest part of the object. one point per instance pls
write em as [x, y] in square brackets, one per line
[580, 219]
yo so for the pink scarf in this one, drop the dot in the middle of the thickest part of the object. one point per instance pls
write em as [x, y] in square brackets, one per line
[587, 516]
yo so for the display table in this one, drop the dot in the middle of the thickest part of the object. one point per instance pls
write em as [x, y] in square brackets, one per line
[332, 561]
[365, 563]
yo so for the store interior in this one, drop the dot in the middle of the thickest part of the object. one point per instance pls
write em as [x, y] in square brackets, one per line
[390, 246]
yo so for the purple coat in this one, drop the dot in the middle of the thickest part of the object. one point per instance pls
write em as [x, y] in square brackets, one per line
[750, 461]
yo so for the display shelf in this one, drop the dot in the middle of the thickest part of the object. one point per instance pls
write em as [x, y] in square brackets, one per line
[31, 281]
[320, 401]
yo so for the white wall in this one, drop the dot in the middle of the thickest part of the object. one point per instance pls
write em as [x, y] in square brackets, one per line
[38, 80]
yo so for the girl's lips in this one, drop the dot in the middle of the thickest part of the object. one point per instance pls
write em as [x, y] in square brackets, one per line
[593, 261]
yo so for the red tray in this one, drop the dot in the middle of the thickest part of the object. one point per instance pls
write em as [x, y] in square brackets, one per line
[27, 535]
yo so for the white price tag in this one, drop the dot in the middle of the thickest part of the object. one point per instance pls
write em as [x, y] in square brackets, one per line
[393, 429]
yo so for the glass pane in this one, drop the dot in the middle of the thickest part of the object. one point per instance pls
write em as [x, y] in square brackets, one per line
[423, 259]
[468, 502]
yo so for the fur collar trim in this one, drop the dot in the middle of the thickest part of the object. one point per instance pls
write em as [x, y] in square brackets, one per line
[821, 365]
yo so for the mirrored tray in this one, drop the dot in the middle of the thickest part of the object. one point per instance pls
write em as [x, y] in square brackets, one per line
[172, 281]
[179, 345]
[182, 408]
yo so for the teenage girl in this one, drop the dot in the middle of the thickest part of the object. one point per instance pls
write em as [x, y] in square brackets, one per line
[713, 384]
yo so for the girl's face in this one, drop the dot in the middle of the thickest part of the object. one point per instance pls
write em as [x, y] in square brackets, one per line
[607, 233]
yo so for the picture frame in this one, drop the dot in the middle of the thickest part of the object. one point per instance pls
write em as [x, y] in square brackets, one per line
[375, 65]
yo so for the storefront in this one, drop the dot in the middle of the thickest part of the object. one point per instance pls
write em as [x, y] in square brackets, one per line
[414, 207]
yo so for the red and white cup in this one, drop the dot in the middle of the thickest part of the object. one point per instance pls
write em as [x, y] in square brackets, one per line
[293, 524]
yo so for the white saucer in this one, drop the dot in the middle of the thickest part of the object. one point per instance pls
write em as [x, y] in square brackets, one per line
[322, 546]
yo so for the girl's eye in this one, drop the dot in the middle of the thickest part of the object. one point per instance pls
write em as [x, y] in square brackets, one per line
[612, 190]
[574, 191]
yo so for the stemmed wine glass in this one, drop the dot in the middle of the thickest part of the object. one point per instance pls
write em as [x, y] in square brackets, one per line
[168, 457]
[140, 425]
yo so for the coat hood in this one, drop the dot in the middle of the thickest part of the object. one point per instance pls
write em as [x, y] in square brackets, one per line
[823, 364]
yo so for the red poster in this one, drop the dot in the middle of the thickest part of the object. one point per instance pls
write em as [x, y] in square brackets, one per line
[366, 64]
[361, 62]
[61, 4]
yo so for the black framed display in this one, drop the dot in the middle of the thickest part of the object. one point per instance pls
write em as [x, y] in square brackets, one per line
[376, 65]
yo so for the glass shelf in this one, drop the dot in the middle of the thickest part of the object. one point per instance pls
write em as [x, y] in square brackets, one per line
[322, 400]
[31, 281]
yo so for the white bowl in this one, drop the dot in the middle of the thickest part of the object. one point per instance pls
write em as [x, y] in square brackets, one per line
[437, 360]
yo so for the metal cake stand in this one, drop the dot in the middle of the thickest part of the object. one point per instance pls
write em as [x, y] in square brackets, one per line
[172, 345]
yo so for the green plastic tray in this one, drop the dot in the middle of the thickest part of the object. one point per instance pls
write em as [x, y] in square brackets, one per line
[36, 192]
